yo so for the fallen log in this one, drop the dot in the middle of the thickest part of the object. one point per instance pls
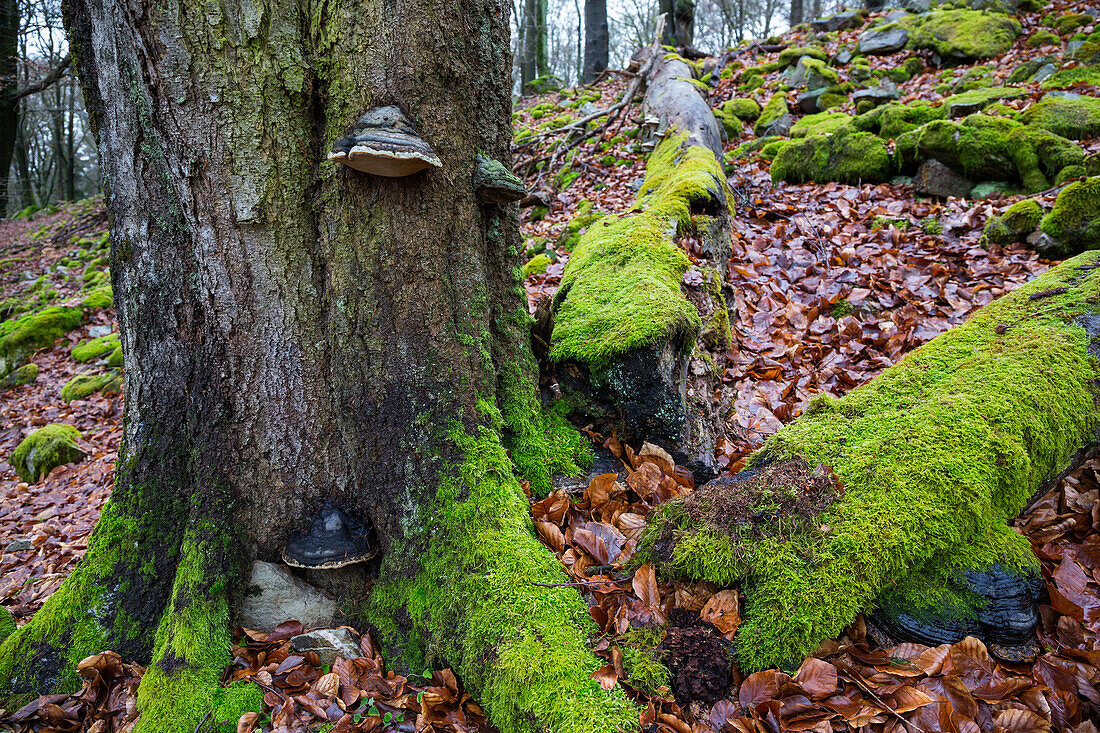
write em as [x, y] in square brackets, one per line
[900, 492]
[630, 337]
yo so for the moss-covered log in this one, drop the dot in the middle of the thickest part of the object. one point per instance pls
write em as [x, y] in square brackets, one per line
[300, 335]
[624, 324]
[926, 464]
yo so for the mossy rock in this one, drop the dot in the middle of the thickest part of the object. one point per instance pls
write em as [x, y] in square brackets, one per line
[1073, 118]
[101, 297]
[44, 450]
[1043, 38]
[750, 147]
[892, 120]
[975, 100]
[536, 265]
[83, 385]
[115, 360]
[1074, 221]
[87, 350]
[7, 623]
[962, 35]
[791, 56]
[769, 151]
[775, 118]
[733, 112]
[1078, 76]
[1070, 22]
[21, 337]
[844, 157]
[584, 218]
[823, 123]
[1018, 221]
[22, 376]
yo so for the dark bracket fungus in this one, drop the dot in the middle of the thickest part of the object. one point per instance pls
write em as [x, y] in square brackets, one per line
[334, 540]
[383, 142]
[495, 184]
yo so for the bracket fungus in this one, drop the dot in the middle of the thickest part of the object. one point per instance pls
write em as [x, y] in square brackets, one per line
[495, 184]
[384, 142]
[334, 540]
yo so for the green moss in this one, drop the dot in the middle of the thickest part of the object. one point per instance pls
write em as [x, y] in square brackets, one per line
[935, 455]
[769, 151]
[1080, 75]
[1043, 38]
[982, 97]
[822, 123]
[621, 288]
[1018, 221]
[750, 147]
[44, 450]
[962, 34]
[576, 226]
[790, 56]
[842, 308]
[85, 351]
[536, 265]
[22, 376]
[1069, 173]
[7, 624]
[641, 662]
[83, 385]
[773, 112]
[1074, 221]
[895, 119]
[1074, 119]
[731, 113]
[21, 337]
[844, 157]
[1071, 22]
[102, 297]
[115, 359]
[520, 647]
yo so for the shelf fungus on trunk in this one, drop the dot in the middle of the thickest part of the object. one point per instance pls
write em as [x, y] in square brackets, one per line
[384, 142]
[334, 540]
[495, 184]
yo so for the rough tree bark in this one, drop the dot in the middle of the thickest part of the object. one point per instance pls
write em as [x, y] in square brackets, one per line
[595, 39]
[9, 82]
[795, 17]
[301, 335]
[680, 29]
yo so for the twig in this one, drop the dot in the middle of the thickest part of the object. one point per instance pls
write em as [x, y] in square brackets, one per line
[47, 82]
[859, 683]
[203, 721]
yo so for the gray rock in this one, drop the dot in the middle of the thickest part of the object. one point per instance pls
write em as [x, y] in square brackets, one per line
[1045, 244]
[843, 56]
[917, 6]
[781, 126]
[98, 331]
[936, 179]
[886, 91]
[329, 644]
[588, 109]
[1073, 47]
[1061, 93]
[837, 22]
[1043, 72]
[985, 189]
[997, 6]
[895, 15]
[882, 42]
[809, 102]
[20, 544]
[283, 597]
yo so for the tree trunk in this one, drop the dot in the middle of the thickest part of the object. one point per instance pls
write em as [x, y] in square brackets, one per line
[9, 83]
[680, 26]
[796, 17]
[885, 497]
[529, 66]
[299, 335]
[542, 44]
[595, 39]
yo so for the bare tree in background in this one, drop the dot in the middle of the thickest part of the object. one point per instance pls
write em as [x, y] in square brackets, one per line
[596, 37]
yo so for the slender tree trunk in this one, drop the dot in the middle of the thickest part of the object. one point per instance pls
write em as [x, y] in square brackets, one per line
[795, 16]
[595, 38]
[301, 335]
[680, 28]
[529, 66]
[9, 82]
[22, 162]
[542, 44]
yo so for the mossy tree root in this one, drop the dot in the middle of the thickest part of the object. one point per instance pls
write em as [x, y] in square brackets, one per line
[487, 598]
[935, 456]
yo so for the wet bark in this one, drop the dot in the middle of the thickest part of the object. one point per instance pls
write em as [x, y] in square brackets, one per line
[595, 38]
[9, 81]
[297, 334]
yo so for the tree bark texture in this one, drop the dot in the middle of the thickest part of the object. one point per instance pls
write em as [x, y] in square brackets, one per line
[680, 27]
[795, 16]
[9, 84]
[301, 335]
[890, 494]
[655, 385]
[596, 38]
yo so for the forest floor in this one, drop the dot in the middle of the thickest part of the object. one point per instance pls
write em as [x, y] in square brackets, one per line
[830, 284]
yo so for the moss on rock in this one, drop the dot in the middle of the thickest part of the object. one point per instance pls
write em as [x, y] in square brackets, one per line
[1079, 75]
[934, 455]
[44, 450]
[1074, 221]
[962, 35]
[843, 157]
[21, 337]
[822, 123]
[22, 376]
[733, 112]
[83, 385]
[1074, 119]
[620, 290]
[536, 265]
[770, 121]
[791, 56]
[1018, 221]
[87, 350]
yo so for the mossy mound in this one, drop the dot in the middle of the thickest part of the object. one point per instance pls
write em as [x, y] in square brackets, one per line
[1074, 221]
[962, 35]
[620, 290]
[85, 351]
[774, 119]
[733, 112]
[19, 377]
[21, 337]
[844, 157]
[1071, 22]
[7, 623]
[44, 450]
[895, 119]
[1018, 221]
[790, 56]
[823, 123]
[536, 265]
[84, 385]
[1077, 76]
[584, 218]
[1072, 118]
[935, 456]
[1043, 38]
